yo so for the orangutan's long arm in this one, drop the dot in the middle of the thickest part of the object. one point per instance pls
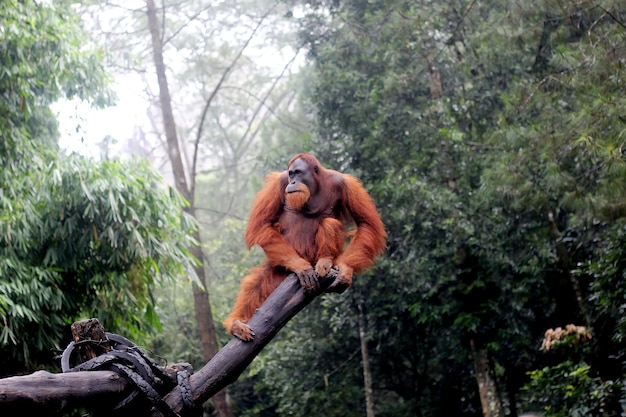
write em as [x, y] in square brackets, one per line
[370, 237]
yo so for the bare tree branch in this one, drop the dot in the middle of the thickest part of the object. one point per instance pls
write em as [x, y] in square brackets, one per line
[284, 303]
[46, 392]
[244, 143]
[189, 19]
[207, 104]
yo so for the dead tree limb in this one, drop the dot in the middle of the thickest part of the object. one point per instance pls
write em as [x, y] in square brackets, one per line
[226, 366]
[53, 392]
[45, 393]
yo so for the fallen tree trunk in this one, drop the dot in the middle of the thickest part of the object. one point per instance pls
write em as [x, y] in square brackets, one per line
[44, 391]
[53, 392]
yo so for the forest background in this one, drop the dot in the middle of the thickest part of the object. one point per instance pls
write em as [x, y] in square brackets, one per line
[491, 135]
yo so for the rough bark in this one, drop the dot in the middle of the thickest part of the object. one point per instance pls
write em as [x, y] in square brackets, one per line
[48, 394]
[202, 304]
[365, 357]
[90, 329]
[489, 398]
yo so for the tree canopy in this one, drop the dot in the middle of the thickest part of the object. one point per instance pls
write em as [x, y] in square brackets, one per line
[490, 134]
[77, 237]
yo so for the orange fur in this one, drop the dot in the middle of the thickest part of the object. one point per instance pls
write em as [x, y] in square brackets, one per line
[298, 199]
[297, 232]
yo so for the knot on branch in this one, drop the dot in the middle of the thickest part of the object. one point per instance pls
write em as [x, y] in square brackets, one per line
[96, 350]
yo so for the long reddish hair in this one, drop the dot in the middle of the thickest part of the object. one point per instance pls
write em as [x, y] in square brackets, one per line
[309, 159]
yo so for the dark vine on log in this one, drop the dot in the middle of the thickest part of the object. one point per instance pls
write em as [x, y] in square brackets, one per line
[50, 393]
[126, 359]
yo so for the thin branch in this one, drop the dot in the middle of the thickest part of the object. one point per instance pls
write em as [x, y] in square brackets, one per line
[221, 213]
[270, 109]
[233, 165]
[207, 105]
[267, 94]
[189, 20]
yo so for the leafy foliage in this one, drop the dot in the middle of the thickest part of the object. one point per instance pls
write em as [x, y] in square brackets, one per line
[93, 243]
[78, 238]
[489, 134]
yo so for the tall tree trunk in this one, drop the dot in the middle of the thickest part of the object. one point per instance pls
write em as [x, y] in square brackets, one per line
[204, 316]
[565, 263]
[367, 373]
[434, 77]
[173, 146]
[489, 398]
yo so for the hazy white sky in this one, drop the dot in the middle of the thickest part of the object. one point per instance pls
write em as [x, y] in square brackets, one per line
[120, 121]
[83, 127]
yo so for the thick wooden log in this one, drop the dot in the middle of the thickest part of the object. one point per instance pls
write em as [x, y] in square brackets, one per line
[226, 366]
[100, 389]
[50, 393]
